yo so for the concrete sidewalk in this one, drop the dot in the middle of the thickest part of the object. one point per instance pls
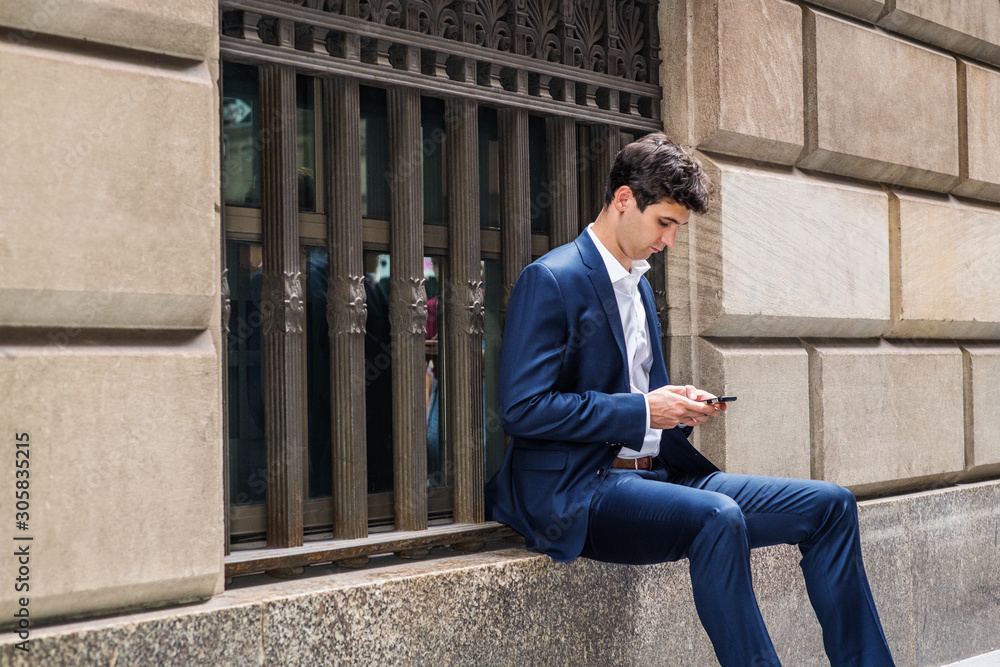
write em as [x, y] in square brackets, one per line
[985, 660]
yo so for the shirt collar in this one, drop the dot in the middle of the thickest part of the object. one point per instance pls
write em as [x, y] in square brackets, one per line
[616, 271]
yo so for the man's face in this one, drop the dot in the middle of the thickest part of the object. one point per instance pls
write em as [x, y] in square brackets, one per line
[641, 233]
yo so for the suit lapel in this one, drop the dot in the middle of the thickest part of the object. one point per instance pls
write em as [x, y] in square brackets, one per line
[598, 274]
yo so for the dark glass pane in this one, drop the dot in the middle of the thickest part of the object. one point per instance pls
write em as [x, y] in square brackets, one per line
[541, 194]
[587, 198]
[374, 154]
[437, 458]
[378, 373]
[493, 439]
[246, 375]
[240, 127]
[305, 120]
[432, 152]
[318, 375]
[489, 169]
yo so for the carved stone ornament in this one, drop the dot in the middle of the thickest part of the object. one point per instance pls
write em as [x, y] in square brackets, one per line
[346, 306]
[492, 30]
[281, 300]
[384, 12]
[408, 313]
[227, 306]
[477, 307]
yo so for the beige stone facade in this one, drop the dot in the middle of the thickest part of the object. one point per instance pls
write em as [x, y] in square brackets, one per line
[109, 301]
[845, 284]
[850, 269]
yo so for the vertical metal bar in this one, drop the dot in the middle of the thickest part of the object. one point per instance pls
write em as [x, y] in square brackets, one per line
[564, 218]
[346, 308]
[407, 310]
[283, 309]
[515, 199]
[464, 310]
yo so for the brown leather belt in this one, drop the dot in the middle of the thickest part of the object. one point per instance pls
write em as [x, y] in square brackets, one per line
[643, 463]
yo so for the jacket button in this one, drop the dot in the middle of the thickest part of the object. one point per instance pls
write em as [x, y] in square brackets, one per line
[602, 472]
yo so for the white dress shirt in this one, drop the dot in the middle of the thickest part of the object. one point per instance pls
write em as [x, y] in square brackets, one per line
[637, 339]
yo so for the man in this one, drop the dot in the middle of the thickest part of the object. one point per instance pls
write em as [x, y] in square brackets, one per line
[599, 464]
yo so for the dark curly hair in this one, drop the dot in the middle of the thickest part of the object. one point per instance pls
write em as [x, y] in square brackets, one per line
[655, 168]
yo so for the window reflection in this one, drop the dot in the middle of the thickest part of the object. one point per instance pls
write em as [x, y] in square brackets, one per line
[318, 389]
[374, 153]
[247, 476]
[305, 121]
[538, 177]
[240, 125]
[433, 161]
[378, 373]
[489, 169]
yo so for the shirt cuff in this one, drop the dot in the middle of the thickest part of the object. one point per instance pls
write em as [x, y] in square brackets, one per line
[646, 399]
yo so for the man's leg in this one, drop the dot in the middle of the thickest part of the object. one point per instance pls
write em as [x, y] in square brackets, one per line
[822, 519]
[634, 518]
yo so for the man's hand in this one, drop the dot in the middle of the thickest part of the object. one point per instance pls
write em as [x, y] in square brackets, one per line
[672, 405]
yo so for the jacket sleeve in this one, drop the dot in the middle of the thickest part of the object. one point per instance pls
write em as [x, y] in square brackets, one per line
[536, 338]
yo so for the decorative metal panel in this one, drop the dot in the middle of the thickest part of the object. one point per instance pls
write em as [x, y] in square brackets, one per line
[593, 59]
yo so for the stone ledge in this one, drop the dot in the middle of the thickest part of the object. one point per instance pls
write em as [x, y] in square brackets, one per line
[968, 27]
[185, 28]
[930, 559]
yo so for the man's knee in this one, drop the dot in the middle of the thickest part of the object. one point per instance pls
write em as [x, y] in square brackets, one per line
[723, 514]
[838, 498]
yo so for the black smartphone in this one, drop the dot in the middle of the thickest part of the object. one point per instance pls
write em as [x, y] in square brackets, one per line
[719, 399]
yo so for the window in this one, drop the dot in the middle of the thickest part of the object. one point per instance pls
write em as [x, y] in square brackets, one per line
[385, 180]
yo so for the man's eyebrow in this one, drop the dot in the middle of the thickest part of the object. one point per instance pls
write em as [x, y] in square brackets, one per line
[669, 219]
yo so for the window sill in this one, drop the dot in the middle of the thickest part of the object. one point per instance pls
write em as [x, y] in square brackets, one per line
[260, 560]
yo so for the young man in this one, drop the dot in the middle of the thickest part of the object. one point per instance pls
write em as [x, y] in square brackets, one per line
[599, 464]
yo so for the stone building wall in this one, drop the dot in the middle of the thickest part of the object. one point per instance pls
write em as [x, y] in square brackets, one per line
[846, 283]
[109, 302]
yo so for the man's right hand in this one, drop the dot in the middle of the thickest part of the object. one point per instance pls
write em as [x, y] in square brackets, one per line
[672, 405]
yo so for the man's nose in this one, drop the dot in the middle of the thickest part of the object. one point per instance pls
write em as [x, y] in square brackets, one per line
[669, 236]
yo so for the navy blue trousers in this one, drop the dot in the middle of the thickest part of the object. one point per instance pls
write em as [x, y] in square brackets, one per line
[640, 517]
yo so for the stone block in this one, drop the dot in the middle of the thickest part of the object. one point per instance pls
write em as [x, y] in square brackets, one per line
[214, 636]
[110, 192]
[866, 10]
[185, 28]
[945, 289]
[979, 100]
[968, 27]
[982, 395]
[126, 470]
[956, 575]
[787, 255]
[871, 424]
[749, 439]
[878, 108]
[670, 632]
[784, 604]
[422, 616]
[887, 548]
[748, 92]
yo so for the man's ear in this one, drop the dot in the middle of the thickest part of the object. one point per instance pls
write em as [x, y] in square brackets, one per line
[622, 197]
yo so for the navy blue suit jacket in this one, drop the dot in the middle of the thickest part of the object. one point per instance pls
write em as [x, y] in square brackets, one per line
[565, 398]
